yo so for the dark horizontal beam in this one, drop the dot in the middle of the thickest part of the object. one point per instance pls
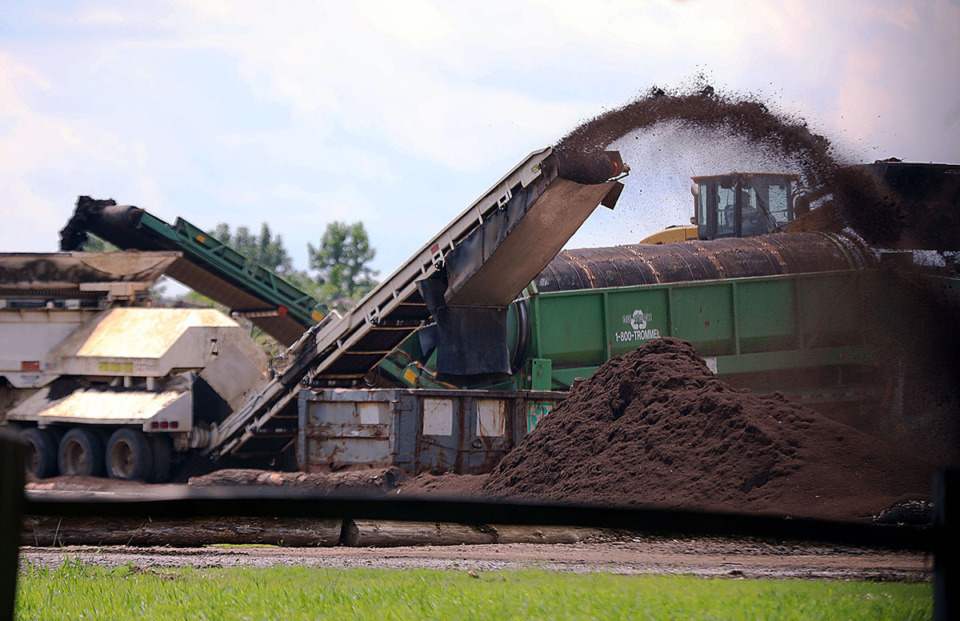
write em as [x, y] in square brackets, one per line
[286, 503]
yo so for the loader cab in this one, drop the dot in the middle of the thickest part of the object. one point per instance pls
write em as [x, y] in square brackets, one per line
[742, 204]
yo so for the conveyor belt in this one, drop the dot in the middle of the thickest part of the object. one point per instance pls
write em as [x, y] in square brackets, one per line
[207, 265]
[517, 227]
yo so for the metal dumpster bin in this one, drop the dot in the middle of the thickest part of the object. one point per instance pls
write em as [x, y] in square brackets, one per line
[416, 430]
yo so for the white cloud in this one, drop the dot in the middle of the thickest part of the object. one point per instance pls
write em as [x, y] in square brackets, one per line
[901, 14]
[389, 87]
[31, 146]
[414, 21]
[211, 109]
[101, 16]
[898, 93]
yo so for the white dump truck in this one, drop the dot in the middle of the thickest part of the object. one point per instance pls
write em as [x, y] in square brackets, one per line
[99, 382]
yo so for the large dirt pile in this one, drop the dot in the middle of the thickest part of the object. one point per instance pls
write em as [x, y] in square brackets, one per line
[656, 427]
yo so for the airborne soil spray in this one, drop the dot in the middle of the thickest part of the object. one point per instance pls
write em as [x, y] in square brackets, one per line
[850, 198]
[918, 404]
[707, 108]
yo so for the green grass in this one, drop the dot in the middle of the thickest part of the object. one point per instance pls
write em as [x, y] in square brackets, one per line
[75, 590]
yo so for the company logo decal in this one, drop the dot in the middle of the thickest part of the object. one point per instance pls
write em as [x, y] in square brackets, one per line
[638, 320]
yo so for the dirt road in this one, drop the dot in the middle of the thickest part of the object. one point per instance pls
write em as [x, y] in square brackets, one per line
[617, 554]
[700, 557]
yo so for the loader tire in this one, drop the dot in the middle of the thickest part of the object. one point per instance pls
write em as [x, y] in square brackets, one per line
[81, 453]
[41, 453]
[129, 455]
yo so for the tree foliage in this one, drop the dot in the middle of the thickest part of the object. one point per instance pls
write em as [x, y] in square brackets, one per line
[95, 244]
[338, 273]
[264, 248]
[341, 264]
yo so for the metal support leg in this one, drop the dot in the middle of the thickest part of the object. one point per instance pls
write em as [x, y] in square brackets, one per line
[12, 459]
[946, 563]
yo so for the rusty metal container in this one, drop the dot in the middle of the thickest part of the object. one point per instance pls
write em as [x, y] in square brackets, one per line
[462, 431]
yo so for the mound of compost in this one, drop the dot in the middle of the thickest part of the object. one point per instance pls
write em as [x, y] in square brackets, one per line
[656, 427]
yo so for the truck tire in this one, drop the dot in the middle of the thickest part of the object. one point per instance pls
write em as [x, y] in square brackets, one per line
[162, 458]
[81, 453]
[41, 453]
[129, 455]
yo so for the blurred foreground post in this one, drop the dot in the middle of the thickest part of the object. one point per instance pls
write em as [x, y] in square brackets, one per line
[12, 455]
[946, 564]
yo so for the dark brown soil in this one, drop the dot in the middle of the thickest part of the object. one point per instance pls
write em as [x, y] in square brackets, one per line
[448, 485]
[74, 235]
[704, 107]
[656, 427]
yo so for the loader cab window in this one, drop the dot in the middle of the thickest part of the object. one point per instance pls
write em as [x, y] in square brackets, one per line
[726, 212]
[754, 213]
[703, 201]
[716, 202]
[766, 204]
[742, 205]
[780, 202]
[705, 207]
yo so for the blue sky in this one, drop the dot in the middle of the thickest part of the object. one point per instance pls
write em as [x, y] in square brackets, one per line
[400, 114]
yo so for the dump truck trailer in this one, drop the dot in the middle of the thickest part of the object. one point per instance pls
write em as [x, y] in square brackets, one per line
[101, 383]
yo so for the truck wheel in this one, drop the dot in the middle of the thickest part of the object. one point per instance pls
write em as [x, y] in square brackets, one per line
[129, 455]
[162, 460]
[41, 453]
[81, 453]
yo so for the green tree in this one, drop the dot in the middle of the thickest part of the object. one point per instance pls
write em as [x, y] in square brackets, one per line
[95, 244]
[264, 248]
[341, 264]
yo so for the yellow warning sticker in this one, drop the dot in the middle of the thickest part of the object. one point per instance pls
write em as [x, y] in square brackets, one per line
[410, 376]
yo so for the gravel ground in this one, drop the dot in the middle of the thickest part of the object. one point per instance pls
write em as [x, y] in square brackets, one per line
[700, 557]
